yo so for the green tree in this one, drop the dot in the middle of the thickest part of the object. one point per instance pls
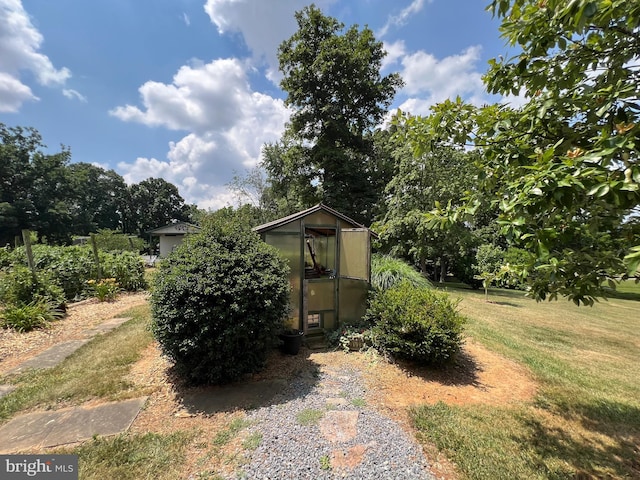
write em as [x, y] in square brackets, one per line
[153, 203]
[332, 79]
[34, 187]
[564, 166]
[438, 177]
[99, 198]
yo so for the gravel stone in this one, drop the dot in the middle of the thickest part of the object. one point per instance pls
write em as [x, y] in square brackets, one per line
[290, 450]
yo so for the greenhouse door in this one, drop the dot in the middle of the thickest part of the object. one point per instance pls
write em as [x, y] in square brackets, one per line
[319, 291]
[355, 270]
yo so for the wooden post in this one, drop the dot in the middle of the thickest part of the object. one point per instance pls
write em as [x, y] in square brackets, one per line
[26, 238]
[94, 245]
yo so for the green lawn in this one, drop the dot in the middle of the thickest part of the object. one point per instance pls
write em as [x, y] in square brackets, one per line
[585, 419]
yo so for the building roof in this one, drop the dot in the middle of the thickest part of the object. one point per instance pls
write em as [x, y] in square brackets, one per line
[297, 216]
[175, 228]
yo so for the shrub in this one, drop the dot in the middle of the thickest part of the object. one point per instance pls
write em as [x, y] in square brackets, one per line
[218, 302]
[387, 271]
[114, 241]
[416, 323]
[126, 267]
[104, 290]
[19, 286]
[24, 318]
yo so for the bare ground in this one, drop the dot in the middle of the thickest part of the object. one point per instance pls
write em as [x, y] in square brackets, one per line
[478, 376]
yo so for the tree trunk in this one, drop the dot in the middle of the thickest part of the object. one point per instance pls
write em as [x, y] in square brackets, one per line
[443, 269]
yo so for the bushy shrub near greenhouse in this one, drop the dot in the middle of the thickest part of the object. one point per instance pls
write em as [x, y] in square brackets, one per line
[218, 302]
[416, 323]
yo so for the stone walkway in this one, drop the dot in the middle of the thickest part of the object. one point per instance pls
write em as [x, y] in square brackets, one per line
[49, 429]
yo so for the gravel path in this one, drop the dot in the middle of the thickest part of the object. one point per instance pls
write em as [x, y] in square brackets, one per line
[349, 441]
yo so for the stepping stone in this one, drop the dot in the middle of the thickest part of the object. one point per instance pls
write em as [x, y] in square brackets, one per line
[105, 327]
[71, 425]
[337, 426]
[6, 390]
[50, 357]
[347, 461]
[337, 401]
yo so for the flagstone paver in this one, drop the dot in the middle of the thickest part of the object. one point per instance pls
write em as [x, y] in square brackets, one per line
[70, 425]
[57, 353]
[339, 426]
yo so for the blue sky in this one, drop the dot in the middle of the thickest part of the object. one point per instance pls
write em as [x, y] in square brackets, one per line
[187, 90]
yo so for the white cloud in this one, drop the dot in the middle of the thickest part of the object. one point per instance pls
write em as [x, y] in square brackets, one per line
[74, 94]
[13, 93]
[401, 18]
[186, 19]
[227, 123]
[20, 44]
[262, 24]
[395, 52]
[429, 80]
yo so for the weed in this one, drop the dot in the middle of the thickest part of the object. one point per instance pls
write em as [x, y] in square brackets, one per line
[325, 462]
[358, 402]
[253, 441]
[309, 417]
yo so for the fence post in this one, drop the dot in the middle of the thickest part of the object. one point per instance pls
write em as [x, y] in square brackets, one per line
[94, 245]
[26, 238]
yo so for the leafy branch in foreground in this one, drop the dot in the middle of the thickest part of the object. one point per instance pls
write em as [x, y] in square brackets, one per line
[564, 169]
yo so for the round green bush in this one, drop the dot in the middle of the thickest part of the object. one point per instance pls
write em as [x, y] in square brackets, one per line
[414, 323]
[218, 302]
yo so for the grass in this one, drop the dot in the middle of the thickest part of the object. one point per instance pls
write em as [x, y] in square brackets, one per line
[132, 457]
[584, 421]
[309, 416]
[224, 436]
[98, 369]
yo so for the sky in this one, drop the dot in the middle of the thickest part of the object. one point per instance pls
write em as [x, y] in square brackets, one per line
[188, 90]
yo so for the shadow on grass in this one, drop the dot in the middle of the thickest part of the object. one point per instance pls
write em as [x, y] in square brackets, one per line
[612, 452]
[284, 378]
[462, 371]
[623, 295]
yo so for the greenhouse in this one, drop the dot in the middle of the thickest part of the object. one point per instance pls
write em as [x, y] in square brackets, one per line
[330, 259]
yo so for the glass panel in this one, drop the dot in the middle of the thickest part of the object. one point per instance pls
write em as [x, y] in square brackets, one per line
[320, 218]
[320, 295]
[320, 252]
[329, 321]
[353, 299]
[293, 226]
[289, 247]
[354, 253]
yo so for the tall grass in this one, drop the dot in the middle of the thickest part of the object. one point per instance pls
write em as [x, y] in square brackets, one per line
[387, 271]
[584, 421]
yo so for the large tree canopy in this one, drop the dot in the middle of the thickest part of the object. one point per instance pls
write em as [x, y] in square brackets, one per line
[332, 79]
[58, 199]
[565, 166]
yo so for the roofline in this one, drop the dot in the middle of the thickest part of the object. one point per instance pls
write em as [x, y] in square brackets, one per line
[296, 216]
[171, 224]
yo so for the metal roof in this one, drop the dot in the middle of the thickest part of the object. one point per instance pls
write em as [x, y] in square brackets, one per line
[297, 216]
[171, 228]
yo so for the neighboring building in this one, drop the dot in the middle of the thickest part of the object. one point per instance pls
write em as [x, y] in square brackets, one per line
[172, 235]
[330, 259]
